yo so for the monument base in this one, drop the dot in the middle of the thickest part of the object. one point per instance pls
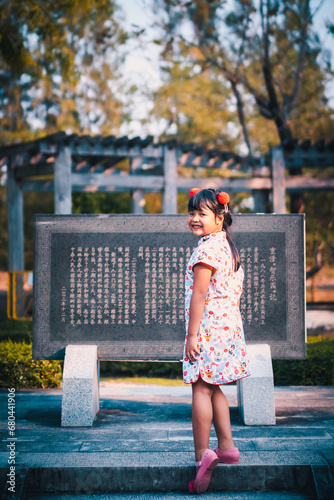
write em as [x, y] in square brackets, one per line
[256, 393]
[80, 399]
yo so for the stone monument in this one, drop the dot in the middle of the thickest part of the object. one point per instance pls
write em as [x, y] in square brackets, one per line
[117, 282]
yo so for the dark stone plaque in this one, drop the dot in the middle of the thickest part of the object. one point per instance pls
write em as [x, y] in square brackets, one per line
[117, 281]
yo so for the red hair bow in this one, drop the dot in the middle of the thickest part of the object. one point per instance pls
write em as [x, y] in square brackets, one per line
[193, 191]
[223, 198]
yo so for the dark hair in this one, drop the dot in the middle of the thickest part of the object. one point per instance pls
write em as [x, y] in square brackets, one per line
[209, 198]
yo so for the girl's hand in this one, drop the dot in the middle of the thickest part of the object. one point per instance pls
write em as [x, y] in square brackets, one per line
[192, 349]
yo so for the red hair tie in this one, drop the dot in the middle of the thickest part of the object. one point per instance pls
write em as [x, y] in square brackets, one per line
[193, 191]
[223, 198]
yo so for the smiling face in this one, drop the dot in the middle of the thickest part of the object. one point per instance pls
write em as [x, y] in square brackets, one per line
[204, 221]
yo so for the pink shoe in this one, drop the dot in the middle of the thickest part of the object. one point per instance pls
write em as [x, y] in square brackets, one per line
[228, 456]
[208, 462]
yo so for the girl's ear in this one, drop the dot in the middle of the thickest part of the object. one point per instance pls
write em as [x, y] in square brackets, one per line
[220, 219]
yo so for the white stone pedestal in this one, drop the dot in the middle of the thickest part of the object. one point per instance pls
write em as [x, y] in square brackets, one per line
[80, 399]
[256, 393]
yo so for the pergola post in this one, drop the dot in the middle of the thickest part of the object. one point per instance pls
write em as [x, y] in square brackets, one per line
[137, 195]
[15, 220]
[169, 205]
[260, 201]
[278, 180]
[137, 201]
[62, 181]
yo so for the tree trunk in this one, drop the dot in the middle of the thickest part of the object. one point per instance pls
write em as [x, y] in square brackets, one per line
[242, 118]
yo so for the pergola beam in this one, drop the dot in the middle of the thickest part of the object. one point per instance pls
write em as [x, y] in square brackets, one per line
[304, 183]
[39, 169]
[124, 181]
[99, 150]
[119, 183]
[232, 185]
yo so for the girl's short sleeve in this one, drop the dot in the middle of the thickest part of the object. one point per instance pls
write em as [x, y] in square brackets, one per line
[206, 253]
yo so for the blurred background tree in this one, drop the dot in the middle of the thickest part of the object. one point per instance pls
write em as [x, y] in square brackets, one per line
[59, 64]
[272, 66]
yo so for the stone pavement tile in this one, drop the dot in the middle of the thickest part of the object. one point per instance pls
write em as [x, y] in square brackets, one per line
[282, 457]
[292, 444]
[48, 446]
[106, 459]
[149, 445]
[137, 446]
[304, 432]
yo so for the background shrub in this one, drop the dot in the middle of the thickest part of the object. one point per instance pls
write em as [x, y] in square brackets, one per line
[316, 369]
[19, 370]
[16, 331]
[120, 369]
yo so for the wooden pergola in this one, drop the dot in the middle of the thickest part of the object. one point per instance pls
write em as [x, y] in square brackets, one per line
[70, 163]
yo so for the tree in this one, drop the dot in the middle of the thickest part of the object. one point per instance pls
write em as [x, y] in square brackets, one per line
[196, 104]
[56, 57]
[268, 54]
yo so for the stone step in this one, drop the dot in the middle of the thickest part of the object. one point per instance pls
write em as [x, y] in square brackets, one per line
[129, 472]
[183, 496]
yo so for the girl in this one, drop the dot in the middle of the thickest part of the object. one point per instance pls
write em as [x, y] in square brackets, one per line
[215, 351]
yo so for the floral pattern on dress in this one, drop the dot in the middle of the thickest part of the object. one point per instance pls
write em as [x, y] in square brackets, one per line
[223, 356]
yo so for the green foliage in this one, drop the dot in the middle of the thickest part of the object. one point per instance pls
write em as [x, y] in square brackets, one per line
[316, 369]
[16, 331]
[319, 210]
[19, 370]
[101, 203]
[57, 62]
[196, 104]
[141, 369]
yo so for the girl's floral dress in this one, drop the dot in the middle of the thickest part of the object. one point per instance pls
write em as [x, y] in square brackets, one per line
[223, 357]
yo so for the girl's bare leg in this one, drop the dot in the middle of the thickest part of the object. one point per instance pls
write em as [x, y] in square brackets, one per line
[221, 420]
[201, 416]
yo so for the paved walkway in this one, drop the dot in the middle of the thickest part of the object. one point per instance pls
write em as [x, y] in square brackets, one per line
[140, 446]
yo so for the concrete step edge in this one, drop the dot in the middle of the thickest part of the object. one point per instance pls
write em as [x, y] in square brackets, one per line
[102, 480]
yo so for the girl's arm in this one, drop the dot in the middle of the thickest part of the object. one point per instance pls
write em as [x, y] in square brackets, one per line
[202, 275]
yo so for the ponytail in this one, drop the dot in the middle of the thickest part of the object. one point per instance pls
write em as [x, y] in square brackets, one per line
[234, 251]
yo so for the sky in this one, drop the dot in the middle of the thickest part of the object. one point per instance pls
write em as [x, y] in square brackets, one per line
[142, 64]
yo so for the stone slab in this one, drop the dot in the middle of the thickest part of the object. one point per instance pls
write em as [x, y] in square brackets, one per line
[80, 399]
[256, 393]
[138, 323]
